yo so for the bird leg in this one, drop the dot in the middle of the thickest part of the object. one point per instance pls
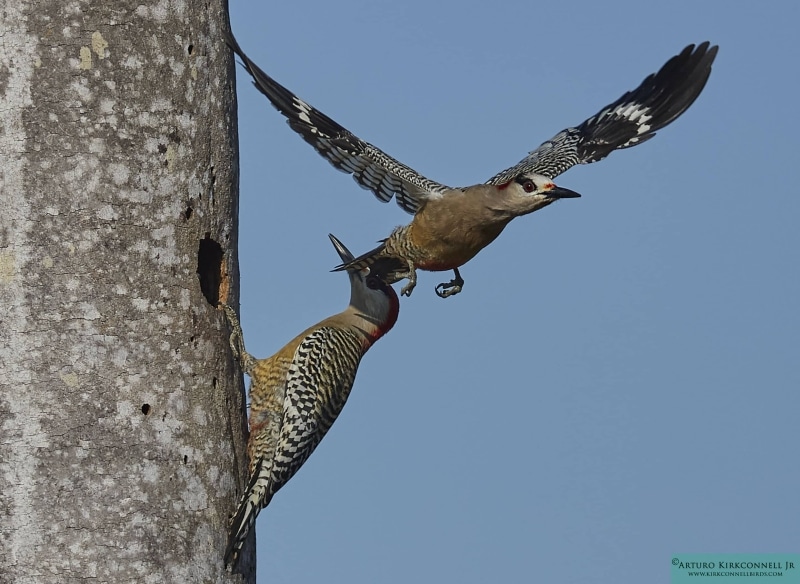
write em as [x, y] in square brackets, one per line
[411, 274]
[451, 288]
[246, 360]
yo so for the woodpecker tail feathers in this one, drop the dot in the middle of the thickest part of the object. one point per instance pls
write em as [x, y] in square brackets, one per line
[254, 499]
[361, 262]
[381, 265]
[388, 268]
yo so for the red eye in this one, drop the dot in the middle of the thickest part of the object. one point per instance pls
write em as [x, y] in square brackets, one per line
[528, 186]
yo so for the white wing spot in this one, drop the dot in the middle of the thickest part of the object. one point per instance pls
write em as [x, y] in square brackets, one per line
[632, 112]
[303, 109]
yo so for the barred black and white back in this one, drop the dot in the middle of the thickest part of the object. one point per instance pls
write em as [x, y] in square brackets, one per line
[318, 384]
[632, 119]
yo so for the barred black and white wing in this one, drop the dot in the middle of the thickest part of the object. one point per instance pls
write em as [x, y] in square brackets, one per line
[371, 168]
[632, 119]
[318, 384]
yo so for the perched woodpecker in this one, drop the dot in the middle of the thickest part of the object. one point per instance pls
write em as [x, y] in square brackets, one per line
[297, 394]
[451, 225]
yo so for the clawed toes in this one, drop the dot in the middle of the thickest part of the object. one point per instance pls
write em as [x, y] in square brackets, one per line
[445, 290]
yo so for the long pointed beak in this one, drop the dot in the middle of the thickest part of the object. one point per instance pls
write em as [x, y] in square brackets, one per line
[343, 252]
[562, 193]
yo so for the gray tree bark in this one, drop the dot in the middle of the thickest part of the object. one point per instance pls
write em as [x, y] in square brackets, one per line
[121, 415]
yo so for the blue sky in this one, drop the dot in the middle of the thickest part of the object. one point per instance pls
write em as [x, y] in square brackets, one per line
[618, 382]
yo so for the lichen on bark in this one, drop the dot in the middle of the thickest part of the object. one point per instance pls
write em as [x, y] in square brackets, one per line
[120, 413]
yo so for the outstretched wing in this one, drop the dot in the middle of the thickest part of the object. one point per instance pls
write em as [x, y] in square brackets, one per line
[632, 119]
[371, 168]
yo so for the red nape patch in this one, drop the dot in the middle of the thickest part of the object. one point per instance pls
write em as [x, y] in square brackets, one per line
[502, 186]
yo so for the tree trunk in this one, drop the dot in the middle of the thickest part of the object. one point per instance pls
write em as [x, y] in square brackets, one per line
[121, 416]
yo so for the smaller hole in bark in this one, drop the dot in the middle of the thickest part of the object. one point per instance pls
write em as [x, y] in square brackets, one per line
[187, 214]
[145, 409]
[185, 459]
[214, 383]
[190, 49]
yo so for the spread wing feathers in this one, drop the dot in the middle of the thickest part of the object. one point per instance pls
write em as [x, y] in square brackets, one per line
[632, 119]
[318, 384]
[371, 168]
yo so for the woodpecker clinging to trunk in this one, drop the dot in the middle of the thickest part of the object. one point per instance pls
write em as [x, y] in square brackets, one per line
[297, 394]
[451, 225]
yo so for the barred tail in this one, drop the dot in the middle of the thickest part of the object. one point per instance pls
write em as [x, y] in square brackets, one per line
[388, 268]
[254, 500]
[363, 261]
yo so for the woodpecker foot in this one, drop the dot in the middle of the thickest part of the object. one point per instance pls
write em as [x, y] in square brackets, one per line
[412, 281]
[452, 287]
[236, 339]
